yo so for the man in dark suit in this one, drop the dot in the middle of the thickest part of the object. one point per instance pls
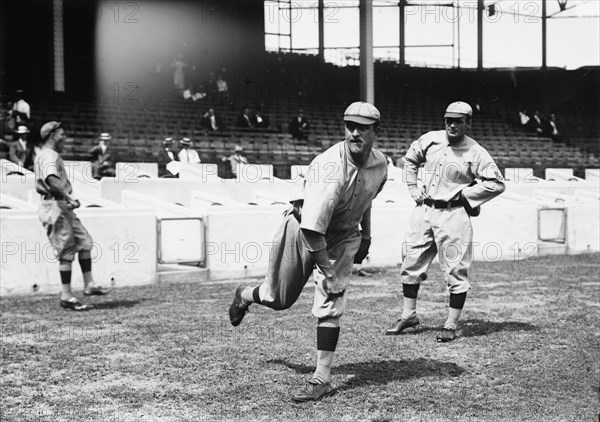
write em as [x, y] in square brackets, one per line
[212, 121]
[18, 148]
[299, 126]
[243, 120]
[102, 162]
[165, 156]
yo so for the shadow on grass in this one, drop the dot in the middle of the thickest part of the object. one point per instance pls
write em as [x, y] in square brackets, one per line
[116, 304]
[383, 372]
[478, 327]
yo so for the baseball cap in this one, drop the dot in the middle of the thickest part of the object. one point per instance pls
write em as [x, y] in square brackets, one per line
[238, 148]
[458, 109]
[362, 113]
[185, 141]
[105, 136]
[168, 141]
[22, 129]
[48, 128]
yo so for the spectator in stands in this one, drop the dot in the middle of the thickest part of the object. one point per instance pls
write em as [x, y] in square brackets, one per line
[211, 121]
[33, 149]
[258, 120]
[222, 90]
[299, 126]
[165, 156]
[536, 123]
[102, 161]
[18, 148]
[524, 119]
[178, 67]
[187, 154]
[236, 159]
[553, 128]
[477, 107]
[65, 232]
[243, 119]
[21, 110]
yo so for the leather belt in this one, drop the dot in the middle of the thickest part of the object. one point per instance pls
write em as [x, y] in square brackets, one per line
[442, 204]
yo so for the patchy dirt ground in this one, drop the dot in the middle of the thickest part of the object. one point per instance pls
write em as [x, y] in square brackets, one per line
[528, 349]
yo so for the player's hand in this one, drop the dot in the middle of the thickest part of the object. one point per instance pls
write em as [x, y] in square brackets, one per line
[333, 285]
[73, 203]
[417, 194]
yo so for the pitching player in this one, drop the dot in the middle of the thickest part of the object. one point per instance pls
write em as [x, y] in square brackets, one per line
[65, 232]
[322, 230]
[459, 176]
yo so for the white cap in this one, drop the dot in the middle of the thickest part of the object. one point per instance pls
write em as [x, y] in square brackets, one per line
[362, 113]
[105, 136]
[458, 109]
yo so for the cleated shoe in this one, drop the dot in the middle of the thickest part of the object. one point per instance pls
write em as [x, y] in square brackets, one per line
[446, 335]
[95, 291]
[313, 392]
[74, 305]
[238, 308]
[402, 325]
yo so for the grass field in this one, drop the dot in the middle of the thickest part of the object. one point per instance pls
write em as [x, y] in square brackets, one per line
[528, 350]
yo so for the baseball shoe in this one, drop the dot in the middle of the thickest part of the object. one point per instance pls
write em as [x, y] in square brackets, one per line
[401, 325]
[95, 291]
[446, 335]
[74, 305]
[313, 392]
[364, 273]
[238, 308]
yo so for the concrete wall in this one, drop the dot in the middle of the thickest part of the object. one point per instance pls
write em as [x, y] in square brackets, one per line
[124, 251]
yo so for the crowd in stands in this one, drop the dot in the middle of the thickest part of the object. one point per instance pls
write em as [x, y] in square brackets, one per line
[170, 158]
[540, 125]
[15, 144]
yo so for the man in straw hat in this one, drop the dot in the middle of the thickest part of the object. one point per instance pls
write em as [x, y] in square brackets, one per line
[166, 155]
[18, 148]
[187, 154]
[102, 161]
[322, 230]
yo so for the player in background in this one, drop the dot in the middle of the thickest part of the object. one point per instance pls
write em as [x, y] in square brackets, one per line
[65, 232]
[460, 176]
[322, 230]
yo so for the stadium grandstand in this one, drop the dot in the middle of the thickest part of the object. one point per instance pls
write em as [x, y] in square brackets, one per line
[107, 67]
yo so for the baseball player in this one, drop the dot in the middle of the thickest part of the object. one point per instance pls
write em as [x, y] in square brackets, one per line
[65, 232]
[322, 230]
[460, 176]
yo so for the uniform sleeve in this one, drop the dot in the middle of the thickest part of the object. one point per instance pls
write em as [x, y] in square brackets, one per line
[414, 158]
[321, 195]
[48, 165]
[489, 180]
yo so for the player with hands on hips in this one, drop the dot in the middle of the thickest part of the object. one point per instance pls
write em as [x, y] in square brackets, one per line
[460, 176]
[322, 230]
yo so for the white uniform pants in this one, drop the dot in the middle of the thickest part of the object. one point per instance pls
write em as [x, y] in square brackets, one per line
[446, 232]
[291, 265]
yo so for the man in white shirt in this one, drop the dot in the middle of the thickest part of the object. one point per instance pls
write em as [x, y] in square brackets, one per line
[236, 159]
[186, 154]
[21, 110]
[18, 149]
